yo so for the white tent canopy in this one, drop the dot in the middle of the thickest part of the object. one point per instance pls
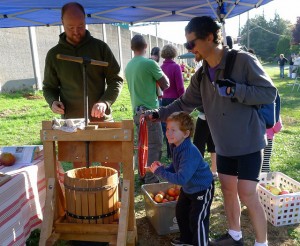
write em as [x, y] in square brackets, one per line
[22, 13]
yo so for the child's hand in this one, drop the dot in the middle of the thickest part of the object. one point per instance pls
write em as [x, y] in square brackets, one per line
[154, 166]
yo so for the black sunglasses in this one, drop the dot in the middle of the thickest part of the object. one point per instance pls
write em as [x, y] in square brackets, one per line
[190, 44]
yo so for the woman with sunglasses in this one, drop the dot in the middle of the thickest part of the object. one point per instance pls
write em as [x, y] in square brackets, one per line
[237, 129]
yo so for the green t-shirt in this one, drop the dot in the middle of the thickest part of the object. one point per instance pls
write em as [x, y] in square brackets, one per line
[141, 74]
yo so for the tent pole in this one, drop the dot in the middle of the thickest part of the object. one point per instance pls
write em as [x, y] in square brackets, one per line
[120, 51]
[104, 33]
[224, 33]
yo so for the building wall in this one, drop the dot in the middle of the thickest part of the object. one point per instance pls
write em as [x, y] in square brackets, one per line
[17, 70]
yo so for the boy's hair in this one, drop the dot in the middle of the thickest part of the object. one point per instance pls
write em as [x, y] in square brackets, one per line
[169, 51]
[185, 121]
[203, 26]
[138, 43]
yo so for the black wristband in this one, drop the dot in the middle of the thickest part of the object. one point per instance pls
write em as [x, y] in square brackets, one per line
[155, 115]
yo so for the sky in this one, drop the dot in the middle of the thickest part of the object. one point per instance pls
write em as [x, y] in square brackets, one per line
[174, 31]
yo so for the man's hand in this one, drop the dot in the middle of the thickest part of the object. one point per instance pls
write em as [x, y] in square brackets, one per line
[226, 87]
[58, 107]
[151, 115]
[98, 110]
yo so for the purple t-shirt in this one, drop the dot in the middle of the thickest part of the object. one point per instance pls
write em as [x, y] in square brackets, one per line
[212, 72]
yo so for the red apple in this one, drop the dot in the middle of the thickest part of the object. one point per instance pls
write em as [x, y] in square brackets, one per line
[162, 193]
[283, 192]
[171, 192]
[7, 159]
[177, 191]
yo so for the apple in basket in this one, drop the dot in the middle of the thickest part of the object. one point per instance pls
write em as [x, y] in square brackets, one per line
[7, 159]
[171, 192]
[284, 192]
[158, 198]
[275, 190]
[151, 195]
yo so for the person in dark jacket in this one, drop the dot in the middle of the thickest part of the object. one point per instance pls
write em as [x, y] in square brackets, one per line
[189, 170]
[63, 80]
[281, 62]
[155, 54]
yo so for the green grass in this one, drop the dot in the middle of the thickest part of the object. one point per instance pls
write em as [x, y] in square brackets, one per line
[20, 123]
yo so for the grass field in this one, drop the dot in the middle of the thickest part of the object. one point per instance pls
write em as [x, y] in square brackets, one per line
[21, 114]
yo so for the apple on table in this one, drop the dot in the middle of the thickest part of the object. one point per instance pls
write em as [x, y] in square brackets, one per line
[7, 159]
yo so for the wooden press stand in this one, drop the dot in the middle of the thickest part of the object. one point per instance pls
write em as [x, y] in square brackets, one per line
[108, 142]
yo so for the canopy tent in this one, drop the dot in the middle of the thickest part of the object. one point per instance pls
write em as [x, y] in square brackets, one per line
[187, 56]
[22, 13]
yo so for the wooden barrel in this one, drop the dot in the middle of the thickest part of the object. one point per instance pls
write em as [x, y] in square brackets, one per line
[92, 195]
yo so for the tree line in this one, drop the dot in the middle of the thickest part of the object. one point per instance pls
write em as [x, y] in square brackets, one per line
[270, 38]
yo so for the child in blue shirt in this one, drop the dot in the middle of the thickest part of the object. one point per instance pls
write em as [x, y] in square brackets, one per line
[189, 170]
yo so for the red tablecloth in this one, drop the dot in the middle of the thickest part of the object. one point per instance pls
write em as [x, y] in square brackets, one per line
[22, 201]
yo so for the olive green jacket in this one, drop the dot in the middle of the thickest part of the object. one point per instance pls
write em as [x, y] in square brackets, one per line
[63, 80]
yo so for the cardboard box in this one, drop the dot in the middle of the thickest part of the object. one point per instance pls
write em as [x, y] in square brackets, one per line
[280, 209]
[161, 215]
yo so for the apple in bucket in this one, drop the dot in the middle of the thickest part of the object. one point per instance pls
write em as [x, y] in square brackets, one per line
[7, 159]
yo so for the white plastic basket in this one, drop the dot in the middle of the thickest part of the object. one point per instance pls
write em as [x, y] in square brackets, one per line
[280, 209]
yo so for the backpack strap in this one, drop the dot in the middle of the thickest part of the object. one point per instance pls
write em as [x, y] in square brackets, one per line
[230, 59]
[200, 71]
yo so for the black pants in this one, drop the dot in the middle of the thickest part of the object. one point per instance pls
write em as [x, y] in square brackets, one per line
[192, 213]
[202, 137]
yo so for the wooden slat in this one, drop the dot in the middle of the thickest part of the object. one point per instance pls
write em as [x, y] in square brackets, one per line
[47, 125]
[128, 172]
[105, 201]
[84, 200]
[89, 237]
[73, 199]
[112, 194]
[68, 193]
[61, 203]
[124, 213]
[64, 227]
[99, 151]
[99, 198]
[103, 134]
[107, 124]
[92, 199]
[48, 215]
[78, 202]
